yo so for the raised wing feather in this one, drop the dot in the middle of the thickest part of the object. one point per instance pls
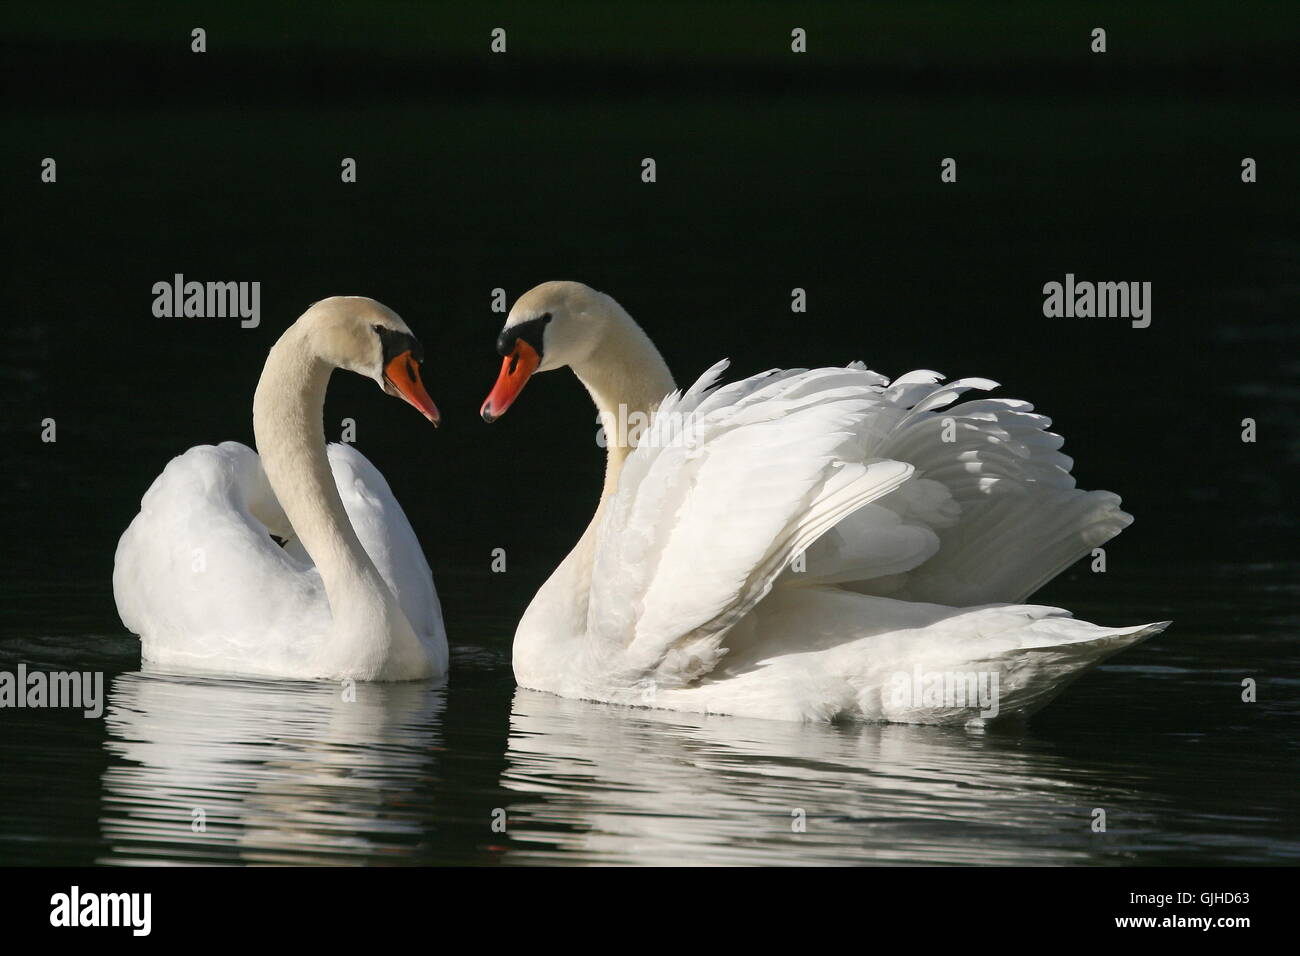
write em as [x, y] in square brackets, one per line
[991, 514]
[724, 488]
[883, 488]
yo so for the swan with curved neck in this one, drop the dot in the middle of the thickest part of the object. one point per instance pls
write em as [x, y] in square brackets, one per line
[621, 370]
[812, 536]
[328, 604]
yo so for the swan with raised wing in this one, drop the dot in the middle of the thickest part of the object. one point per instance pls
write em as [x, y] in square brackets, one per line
[345, 591]
[804, 544]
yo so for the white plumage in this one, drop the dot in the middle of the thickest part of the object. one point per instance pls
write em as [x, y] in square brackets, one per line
[791, 545]
[198, 576]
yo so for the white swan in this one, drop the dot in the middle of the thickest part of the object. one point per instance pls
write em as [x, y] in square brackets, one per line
[198, 576]
[804, 545]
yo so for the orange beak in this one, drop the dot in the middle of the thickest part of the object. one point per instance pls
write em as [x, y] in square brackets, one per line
[402, 375]
[516, 368]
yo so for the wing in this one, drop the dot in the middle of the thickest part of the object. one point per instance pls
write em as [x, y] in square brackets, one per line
[989, 516]
[725, 486]
[388, 538]
[202, 534]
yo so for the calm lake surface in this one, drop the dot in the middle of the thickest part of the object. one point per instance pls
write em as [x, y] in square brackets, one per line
[289, 773]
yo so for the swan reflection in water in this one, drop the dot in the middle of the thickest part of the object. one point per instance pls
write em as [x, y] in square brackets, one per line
[599, 783]
[277, 772]
[289, 772]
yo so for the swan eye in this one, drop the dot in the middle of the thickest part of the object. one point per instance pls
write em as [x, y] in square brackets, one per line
[546, 317]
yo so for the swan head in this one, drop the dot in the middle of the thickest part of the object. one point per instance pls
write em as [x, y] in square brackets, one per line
[553, 325]
[364, 336]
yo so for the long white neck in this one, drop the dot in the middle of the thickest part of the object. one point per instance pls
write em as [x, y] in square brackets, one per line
[626, 377]
[288, 424]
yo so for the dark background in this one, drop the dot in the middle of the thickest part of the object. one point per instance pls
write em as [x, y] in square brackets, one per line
[775, 170]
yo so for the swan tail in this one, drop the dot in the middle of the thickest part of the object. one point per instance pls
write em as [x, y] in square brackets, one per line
[882, 660]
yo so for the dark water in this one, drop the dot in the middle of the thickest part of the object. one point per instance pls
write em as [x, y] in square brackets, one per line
[475, 175]
[287, 772]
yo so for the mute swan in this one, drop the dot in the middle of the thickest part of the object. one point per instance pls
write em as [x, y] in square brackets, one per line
[198, 576]
[804, 545]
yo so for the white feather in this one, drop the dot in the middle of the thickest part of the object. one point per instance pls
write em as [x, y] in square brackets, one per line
[786, 545]
[199, 578]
